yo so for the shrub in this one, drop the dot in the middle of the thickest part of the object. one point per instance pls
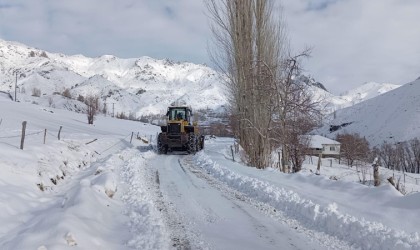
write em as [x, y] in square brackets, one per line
[50, 101]
[92, 103]
[43, 54]
[80, 98]
[66, 93]
[36, 92]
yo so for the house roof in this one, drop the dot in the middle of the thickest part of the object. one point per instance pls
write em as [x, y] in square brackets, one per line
[317, 141]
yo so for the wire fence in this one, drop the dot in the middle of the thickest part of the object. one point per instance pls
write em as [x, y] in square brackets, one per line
[358, 169]
[20, 135]
[57, 135]
[115, 144]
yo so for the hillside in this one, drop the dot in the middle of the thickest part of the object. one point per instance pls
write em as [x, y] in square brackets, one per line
[393, 116]
[331, 102]
[138, 86]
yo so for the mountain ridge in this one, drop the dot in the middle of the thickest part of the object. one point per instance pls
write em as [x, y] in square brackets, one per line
[143, 81]
[136, 85]
[392, 117]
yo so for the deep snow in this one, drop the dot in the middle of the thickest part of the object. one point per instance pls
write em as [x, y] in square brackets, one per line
[105, 195]
[392, 117]
[367, 217]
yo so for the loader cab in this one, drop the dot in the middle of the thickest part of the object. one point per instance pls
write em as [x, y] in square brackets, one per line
[179, 114]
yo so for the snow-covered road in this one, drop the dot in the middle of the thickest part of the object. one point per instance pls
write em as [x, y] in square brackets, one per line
[204, 213]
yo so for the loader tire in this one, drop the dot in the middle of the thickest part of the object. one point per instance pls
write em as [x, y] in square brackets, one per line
[161, 148]
[201, 142]
[192, 143]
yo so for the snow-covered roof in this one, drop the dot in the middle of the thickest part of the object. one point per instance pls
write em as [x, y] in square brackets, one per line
[317, 141]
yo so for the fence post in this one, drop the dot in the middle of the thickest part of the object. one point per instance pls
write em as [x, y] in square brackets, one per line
[22, 140]
[318, 167]
[59, 132]
[132, 133]
[45, 135]
[376, 179]
[233, 156]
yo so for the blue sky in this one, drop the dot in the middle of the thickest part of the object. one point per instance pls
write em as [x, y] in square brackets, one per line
[353, 41]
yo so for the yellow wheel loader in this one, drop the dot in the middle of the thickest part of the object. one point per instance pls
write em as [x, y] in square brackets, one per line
[179, 133]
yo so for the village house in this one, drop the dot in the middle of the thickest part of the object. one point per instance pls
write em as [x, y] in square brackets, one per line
[323, 145]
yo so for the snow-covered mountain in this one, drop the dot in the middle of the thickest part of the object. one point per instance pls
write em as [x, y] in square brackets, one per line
[139, 86]
[331, 102]
[393, 117]
[367, 91]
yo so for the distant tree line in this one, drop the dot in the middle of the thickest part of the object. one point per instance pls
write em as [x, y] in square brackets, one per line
[400, 156]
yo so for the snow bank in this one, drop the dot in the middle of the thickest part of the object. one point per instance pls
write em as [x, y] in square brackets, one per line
[146, 224]
[358, 231]
[68, 192]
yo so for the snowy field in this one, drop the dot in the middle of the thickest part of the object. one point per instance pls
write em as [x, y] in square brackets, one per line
[84, 202]
[99, 188]
[365, 216]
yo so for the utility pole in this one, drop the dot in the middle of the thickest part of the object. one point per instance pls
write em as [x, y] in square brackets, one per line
[16, 84]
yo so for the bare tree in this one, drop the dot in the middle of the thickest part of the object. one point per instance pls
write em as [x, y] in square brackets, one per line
[252, 51]
[386, 154]
[415, 148]
[354, 148]
[122, 116]
[246, 35]
[295, 110]
[92, 103]
[401, 156]
[412, 155]
[297, 145]
[132, 116]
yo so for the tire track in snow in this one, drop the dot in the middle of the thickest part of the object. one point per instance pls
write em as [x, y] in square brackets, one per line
[321, 238]
[181, 238]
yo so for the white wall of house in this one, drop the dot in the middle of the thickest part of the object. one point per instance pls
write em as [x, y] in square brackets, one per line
[331, 149]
